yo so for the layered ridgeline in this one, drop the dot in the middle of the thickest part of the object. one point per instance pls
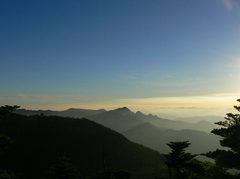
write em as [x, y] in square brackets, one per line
[149, 130]
[72, 112]
[125, 117]
[39, 141]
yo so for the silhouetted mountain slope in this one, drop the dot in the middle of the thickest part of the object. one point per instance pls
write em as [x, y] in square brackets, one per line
[155, 138]
[119, 120]
[212, 119]
[123, 111]
[41, 140]
[155, 132]
[164, 123]
[203, 126]
[122, 119]
[72, 112]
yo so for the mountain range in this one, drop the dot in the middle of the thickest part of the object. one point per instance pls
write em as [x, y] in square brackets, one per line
[212, 119]
[148, 130]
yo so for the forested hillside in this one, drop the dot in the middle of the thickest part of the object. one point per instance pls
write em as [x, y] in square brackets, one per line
[39, 141]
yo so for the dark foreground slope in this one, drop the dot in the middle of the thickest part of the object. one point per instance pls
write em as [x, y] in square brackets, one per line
[41, 140]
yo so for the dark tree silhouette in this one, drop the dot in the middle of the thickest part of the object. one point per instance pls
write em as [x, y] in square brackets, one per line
[4, 110]
[119, 174]
[6, 174]
[6, 141]
[230, 137]
[64, 169]
[177, 159]
[197, 169]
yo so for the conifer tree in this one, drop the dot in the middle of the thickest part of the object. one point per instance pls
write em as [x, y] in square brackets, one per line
[177, 159]
[230, 137]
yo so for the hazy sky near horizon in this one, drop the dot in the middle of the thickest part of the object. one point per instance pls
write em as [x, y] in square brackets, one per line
[57, 54]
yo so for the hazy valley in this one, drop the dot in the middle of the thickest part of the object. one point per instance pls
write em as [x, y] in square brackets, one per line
[98, 141]
[148, 130]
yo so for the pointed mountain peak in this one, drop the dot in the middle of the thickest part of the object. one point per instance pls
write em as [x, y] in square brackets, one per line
[150, 115]
[71, 109]
[139, 113]
[124, 110]
[102, 110]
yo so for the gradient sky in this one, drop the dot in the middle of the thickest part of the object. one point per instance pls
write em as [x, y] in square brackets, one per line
[143, 54]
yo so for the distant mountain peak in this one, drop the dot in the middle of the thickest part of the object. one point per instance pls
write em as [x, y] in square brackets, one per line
[79, 109]
[139, 112]
[72, 109]
[124, 110]
[150, 115]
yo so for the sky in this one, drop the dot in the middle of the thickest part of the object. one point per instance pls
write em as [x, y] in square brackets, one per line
[175, 57]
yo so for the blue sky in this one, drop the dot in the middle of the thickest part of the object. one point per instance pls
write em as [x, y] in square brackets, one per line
[58, 54]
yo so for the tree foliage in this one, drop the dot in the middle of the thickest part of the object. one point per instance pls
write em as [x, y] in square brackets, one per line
[118, 174]
[197, 169]
[6, 174]
[177, 159]
[230, 137]
[64, 169]
[183, 165]
[6, 141]
[4, 110]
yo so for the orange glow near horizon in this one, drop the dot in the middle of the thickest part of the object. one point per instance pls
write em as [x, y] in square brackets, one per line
[188, 106]
[221, 101]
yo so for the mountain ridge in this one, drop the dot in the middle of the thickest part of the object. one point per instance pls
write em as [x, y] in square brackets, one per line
[126, 113]
[40, 140]
[154, 132]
